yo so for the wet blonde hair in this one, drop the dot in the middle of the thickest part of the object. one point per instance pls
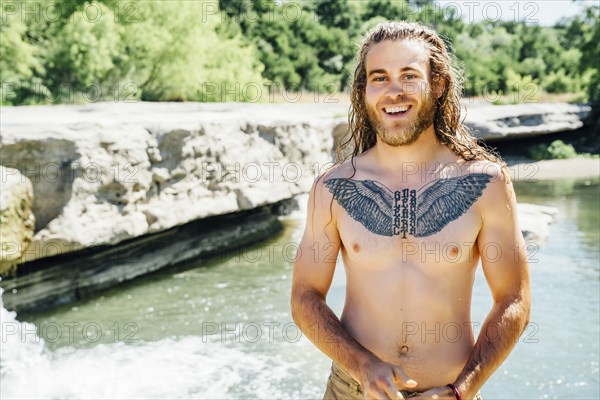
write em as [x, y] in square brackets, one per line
[448, 127]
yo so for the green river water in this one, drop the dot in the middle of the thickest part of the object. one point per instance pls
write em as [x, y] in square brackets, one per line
[222, 328]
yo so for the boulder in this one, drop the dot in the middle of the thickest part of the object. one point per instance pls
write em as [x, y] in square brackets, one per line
[104, 173]
[108, 172]
[16, 218]
[490, 122]
[509, 122]
[535, 221]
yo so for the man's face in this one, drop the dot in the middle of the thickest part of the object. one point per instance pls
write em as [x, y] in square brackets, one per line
[398, 97]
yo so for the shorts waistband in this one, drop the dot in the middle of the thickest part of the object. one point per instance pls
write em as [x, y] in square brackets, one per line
[355, 387]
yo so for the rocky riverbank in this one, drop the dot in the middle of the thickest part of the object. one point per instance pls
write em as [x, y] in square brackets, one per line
[97, 194]
[105, 173]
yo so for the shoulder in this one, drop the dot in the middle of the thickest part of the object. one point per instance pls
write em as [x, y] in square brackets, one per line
[496, 171]
[496, 175]
[498, 194]
[321, 197]
[345, 170]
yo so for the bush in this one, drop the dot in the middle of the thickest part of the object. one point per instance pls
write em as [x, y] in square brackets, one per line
[183, 50]
[174, 53]
[524, 89]
[83, 52]
[556, 150]
[19, 60]
[559, 82]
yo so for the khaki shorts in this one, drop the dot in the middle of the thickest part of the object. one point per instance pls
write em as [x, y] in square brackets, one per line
[341, 386]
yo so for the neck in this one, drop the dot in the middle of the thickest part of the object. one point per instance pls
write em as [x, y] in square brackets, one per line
[424, 153]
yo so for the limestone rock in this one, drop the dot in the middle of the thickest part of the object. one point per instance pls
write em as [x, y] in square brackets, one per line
[535, 221]
[507, 122]
[107, 172]
[16, 218]
[524, 120]
[104, 173]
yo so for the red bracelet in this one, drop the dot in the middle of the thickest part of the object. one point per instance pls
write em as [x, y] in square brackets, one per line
[455, 390]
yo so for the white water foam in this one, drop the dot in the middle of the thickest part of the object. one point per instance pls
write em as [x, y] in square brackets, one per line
[21, 350]
[188, 367]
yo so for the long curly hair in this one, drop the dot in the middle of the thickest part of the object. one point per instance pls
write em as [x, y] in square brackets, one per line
[447, 124]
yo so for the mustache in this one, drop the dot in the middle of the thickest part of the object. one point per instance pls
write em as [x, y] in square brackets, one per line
[402, 100]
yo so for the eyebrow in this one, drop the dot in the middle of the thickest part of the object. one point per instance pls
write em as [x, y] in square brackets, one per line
[383, 71]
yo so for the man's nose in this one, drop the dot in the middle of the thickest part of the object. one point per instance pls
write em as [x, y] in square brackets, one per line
[396, 88]
[397, 92]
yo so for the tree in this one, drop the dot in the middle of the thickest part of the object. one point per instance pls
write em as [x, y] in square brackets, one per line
[388, 9]
[175, 53]
[19, 61]
[590, 49]
[82, 53]
[335, 13]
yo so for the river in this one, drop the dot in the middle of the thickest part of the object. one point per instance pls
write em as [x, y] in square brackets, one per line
[222, 328]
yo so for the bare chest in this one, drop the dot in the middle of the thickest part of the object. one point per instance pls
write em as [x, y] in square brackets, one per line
[435, 224]
[454, 245]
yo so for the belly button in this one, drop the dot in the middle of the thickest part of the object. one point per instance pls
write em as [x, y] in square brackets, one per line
[404, 349]
[356, 247]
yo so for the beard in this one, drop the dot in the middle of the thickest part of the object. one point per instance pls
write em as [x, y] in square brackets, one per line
[402, 132]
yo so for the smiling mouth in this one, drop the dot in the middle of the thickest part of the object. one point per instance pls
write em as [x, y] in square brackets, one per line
[396, 110]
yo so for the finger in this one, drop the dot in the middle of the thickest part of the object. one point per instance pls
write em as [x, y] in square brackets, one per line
[392, 391]
[404, 380]
[379, 394]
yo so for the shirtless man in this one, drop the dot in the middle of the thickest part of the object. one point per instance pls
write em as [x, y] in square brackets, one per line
[413, 211]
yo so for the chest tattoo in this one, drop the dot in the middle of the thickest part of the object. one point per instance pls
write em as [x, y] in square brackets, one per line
[418, 213]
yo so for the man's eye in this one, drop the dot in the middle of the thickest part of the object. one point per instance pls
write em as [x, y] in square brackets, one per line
[379, 79]
[410, 76]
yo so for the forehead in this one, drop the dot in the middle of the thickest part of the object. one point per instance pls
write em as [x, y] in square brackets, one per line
[397, 54]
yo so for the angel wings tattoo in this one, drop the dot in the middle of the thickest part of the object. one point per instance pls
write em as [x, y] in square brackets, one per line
[418, 213]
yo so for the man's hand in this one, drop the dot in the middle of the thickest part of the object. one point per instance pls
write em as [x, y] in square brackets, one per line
[382, 380]
[437, 393]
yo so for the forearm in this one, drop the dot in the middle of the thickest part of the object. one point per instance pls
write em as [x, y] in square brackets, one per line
[320, 324]
[499, 334]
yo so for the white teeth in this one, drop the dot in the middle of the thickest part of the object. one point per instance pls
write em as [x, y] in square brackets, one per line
[391, 110]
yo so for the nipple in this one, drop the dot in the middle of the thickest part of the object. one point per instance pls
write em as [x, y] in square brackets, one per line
[453, 251]
[356, 247]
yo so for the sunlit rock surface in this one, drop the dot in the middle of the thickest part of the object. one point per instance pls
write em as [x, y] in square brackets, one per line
[16, 219]
[104, 173]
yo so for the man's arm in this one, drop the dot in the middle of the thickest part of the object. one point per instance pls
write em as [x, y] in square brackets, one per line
[313, 273]
[504, 261]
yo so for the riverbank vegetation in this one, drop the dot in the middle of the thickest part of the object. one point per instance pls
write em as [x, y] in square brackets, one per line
[65, 51]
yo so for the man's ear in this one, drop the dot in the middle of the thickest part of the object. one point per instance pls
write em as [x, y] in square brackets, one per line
[438, 86]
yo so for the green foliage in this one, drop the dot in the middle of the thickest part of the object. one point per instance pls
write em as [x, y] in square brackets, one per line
[371, 23]
[560, 82]
[193, 50]
[175, 54]
[524, 88]
[487, 58]
[556, 150]
[300, 53]
[388, 9]
[590, 49]
[335, 13]
[20, 61]
[582, 33]
[84, 52]
[156, 51]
